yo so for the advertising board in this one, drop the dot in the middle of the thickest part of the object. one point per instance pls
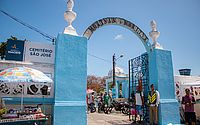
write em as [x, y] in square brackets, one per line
[15, 50]
[39, 52]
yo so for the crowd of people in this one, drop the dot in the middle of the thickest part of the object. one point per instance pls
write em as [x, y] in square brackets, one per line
[152, 103]
[187, 102]
[139, 102]
[94, 101]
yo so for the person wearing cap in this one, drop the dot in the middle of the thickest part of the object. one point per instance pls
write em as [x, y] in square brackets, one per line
[189, 101]
[153, 100]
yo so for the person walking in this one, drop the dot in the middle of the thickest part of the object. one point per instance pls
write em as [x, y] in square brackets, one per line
[100, 102]
[139, 101]
[153, 100]
[188, 101]
[109, 100]
[107, 103]
[100, 99]
[91, 103]
[106, 98]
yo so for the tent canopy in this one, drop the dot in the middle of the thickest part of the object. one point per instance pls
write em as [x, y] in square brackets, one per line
[23, 74]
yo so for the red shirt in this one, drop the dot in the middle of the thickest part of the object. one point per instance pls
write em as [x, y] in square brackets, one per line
[187, 100]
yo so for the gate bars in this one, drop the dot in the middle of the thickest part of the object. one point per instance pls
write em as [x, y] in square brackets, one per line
[139, 71]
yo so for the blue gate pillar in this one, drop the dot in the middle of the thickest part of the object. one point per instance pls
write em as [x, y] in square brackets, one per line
[161, 75]
[70, 80]
[125, 89]
[117, 89]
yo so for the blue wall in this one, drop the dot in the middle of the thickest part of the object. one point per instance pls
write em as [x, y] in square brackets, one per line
[125, 89]
[169, 112]
[161, 75]
[70, 80]
[161, 72]
[28, 100]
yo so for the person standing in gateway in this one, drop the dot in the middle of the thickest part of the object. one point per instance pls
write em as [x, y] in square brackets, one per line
[139, 101]
[153, 100]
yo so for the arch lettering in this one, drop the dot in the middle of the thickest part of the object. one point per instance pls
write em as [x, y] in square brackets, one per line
[121, 22]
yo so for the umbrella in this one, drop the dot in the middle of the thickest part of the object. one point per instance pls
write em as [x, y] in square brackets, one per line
[23, 75]
[89, 91]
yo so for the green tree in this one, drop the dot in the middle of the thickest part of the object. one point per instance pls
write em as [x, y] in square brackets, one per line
[96, 83]
[3, 47]
[3, 50]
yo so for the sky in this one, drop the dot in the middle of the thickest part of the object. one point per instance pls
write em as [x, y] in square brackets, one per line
[178, 22]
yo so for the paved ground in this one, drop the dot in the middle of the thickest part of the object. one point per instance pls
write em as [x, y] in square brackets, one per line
[115, 118]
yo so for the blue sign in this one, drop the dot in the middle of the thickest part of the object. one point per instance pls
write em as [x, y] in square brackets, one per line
[15, 50]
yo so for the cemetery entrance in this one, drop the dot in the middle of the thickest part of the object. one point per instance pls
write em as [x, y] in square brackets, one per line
[139, 82]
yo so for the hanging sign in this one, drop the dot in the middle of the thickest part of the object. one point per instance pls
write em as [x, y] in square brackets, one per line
[15, 50]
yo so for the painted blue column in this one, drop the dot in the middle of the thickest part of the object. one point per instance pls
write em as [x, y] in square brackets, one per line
[125, 89]
[117, 89]
[70, 80]
[161, 75]
[113, 93]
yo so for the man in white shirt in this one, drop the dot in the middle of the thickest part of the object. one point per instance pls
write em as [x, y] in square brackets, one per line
[139, 101]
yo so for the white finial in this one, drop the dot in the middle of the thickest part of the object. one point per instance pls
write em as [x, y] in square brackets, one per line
[153, 25]
[70, 16]
[70, 5]
[154, 34]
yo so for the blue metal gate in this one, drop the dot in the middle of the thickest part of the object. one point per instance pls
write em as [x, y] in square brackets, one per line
[139, 74]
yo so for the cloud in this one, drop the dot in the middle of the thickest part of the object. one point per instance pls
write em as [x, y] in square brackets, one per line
[119, 37]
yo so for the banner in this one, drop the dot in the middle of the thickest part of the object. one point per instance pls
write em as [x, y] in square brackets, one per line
[15, 50]
[39, 52]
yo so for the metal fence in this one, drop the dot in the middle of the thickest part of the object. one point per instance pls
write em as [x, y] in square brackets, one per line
[139, 72]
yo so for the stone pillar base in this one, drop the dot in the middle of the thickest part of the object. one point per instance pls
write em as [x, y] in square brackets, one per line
[70, 113]
[168, 112]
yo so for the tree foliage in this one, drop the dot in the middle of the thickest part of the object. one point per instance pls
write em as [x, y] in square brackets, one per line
[3, 50]
[3, 47]
[95, 83]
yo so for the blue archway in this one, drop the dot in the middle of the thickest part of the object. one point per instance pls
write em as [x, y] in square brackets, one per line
[120, 22]
[71, 74]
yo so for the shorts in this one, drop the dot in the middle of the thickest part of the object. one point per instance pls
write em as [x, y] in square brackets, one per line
[190, 116]
[139, 109]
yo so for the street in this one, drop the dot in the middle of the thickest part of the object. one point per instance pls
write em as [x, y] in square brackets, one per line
[114, 118]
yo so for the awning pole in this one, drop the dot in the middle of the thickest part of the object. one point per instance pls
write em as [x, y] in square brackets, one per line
[22, 97]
